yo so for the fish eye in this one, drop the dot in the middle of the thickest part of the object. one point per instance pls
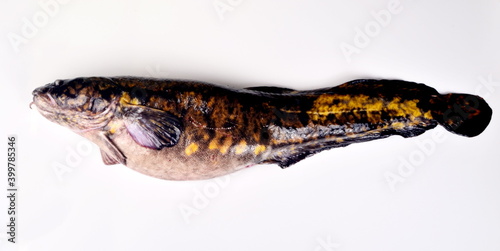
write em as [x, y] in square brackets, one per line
[57, 82]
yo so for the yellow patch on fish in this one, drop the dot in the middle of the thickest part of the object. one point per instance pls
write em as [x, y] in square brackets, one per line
[125, 98]
[259, 149]
[407, 107]
[398, 125]
[214, 145]
[134, 101]
[241, 147]
[114, 126]
[206, 136]
[428, 115]
[327, 104]
[192, 148]
[225, 145]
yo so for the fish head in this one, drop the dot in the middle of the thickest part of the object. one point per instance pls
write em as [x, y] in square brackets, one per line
[80, 104]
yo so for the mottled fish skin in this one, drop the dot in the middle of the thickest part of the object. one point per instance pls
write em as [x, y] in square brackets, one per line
[185, 130]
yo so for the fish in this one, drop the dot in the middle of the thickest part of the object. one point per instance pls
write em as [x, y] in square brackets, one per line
[190, 130]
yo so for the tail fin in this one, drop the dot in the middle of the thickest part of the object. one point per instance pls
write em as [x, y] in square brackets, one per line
[463, 114]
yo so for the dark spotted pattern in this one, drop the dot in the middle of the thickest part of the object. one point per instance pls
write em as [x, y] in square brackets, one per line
[221, 126]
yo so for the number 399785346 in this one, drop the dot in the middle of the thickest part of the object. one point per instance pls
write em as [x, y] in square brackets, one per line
[11, 161]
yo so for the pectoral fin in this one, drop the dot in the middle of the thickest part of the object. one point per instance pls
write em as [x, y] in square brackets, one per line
[152, 128]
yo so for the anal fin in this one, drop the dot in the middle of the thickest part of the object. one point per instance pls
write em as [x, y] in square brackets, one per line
[292, 154]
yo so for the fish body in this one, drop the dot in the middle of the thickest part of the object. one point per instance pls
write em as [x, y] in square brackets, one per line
[186, 130]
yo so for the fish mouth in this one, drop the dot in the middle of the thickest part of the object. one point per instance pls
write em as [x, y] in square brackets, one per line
[44, 102]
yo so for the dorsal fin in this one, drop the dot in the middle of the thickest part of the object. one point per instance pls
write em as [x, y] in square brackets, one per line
[270, 89]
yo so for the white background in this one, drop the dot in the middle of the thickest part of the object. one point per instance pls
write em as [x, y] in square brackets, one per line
[446, 198]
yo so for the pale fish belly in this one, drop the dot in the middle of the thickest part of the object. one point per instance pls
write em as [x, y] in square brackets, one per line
[173, 163]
